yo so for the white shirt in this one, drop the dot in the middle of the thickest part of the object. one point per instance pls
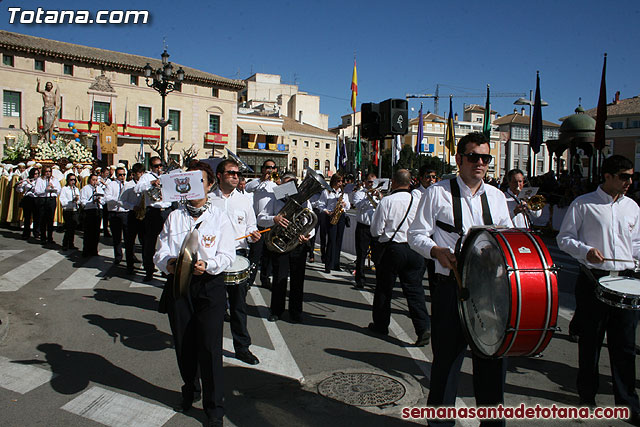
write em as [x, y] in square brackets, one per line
[594, 220]
[144, 185]
[261, 193]
[67, 195]
[364, 207]
[272, 208]
[27, 188]
[130, 199]
[327, 200]
[519, 220]
[57, 174]
[437, 205]
[113, 196]
[240, 213]
[85, 173]
[42, 190]
[216, 245]
[89, 195]
[389, 214]
[419, 191]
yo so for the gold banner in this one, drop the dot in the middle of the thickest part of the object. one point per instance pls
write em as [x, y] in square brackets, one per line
[109, 138]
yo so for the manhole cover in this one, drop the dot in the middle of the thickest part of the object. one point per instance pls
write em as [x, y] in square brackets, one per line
[361, 389]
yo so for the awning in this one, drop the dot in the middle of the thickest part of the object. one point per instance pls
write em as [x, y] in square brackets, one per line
[261, 129]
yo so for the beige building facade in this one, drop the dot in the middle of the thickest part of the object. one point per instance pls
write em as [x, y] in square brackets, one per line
[203, 110]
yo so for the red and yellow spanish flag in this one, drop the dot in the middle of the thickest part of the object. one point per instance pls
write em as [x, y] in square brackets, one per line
[354, 87]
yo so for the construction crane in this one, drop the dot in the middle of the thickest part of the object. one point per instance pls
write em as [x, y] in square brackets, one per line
[436, 96]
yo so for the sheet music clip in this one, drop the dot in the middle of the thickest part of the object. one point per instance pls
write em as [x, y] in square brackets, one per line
[284, 190]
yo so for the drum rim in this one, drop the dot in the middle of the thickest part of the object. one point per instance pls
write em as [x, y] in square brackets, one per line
[601, 285]
[463, 318]
[600, 295]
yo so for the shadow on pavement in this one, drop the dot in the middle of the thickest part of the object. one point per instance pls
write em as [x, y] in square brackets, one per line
[133, 333]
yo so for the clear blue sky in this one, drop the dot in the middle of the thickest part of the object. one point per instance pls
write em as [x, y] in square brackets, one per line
[401, 47]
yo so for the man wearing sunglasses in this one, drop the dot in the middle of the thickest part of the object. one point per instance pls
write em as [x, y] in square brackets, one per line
[243, 221]
[426, 177]
[601, 230]
[118, 212]
[362, 201]
[155, 215]
[434, 235]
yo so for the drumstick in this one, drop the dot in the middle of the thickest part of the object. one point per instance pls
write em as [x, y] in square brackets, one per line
[260, 232]
[618, 260]
[463, 292]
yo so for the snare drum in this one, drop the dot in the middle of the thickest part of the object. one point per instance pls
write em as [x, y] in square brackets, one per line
[238, 272]
[512, 308]
[619, 291]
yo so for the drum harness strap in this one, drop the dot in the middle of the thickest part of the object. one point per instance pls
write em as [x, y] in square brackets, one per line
[457, 213]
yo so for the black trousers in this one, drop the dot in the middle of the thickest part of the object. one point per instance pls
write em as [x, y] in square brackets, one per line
[363, 241]
[620, 326]
[399, 260]
[312, 241]
[261, 257]
[135, 227]
[237, 296]
[154, 219]
[30, 211]
[118, 221]
[105, 221]
[449, 344]
[293, 265]
[47, 207]
[70, 225]
[323, 224]
[334, 243]
[91, 238]
[196, 324]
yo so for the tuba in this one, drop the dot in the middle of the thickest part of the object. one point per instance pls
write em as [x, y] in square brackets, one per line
[301, 220]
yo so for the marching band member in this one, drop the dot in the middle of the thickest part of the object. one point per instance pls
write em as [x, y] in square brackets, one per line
[70, 200]
[362, 202]
[135, 227]
[390, 223]
[196, 319]
[521, 215]
[155, 215]
[30, 209]
[602, 231]
[243, 222]
[291, 264]
[426, 177]
[104, 180]
[56, 173]
[91, 199]
[118, 212]
[46, 190]
[433, 236]
[30, 165]
[262, 189]
[327, 204]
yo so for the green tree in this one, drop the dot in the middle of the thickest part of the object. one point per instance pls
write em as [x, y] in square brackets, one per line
[413, 162]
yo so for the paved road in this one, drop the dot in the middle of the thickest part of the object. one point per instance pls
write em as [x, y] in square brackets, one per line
[81, 344]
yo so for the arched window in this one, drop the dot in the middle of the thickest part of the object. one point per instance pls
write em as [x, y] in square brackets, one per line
[305, 163]
[316, 165]
[327, 166]
[294, 165]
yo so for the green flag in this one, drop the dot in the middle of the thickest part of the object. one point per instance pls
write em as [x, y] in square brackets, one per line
[358, 151]
[486, 122]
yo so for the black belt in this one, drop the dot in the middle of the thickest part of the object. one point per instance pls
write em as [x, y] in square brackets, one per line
[159, 209]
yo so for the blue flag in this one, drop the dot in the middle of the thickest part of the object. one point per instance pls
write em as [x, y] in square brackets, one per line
[420, 132]
[336, 163]
[535, 136]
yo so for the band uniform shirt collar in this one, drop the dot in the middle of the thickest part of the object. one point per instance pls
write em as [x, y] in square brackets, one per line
[465, 191]
[606, 197]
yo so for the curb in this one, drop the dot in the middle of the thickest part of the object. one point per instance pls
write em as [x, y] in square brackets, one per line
[4, 325]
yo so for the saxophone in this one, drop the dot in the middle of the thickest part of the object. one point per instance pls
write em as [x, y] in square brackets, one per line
[337, 211]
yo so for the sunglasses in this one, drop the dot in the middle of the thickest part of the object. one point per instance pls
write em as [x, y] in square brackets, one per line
[122, 174]
[233, 173]
[430, 176]
[157, 165]
[474, 157]
[625, 176]
[271, 167]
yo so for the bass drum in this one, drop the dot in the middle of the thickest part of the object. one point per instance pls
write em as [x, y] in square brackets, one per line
[512, 304]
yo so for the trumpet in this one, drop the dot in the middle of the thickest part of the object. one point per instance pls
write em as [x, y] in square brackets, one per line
[371, 193]
[536, 202]
[275, 176]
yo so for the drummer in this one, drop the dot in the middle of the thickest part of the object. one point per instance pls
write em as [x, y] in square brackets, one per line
[601, 230]
[433, 235]
[243, 221]
[196, 319]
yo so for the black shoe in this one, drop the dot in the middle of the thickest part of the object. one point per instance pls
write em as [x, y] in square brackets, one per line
[327, 271]
[130, 270]
[65, 248]
[373, 328]
[273, 318]
[188, 399]
[117, 261]
[247, 357]
[295, 318]
[266, 283]
[359, 285]
[423, 338]
[215, 422]
[148, 277]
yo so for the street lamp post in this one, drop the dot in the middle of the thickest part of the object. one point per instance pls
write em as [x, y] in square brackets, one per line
[164, 82]
[532, 156]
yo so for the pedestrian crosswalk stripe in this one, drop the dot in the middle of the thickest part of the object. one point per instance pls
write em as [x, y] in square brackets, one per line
[88, 276]
[25, 273]
[22, 378]
[115, 409]
[8, 254]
